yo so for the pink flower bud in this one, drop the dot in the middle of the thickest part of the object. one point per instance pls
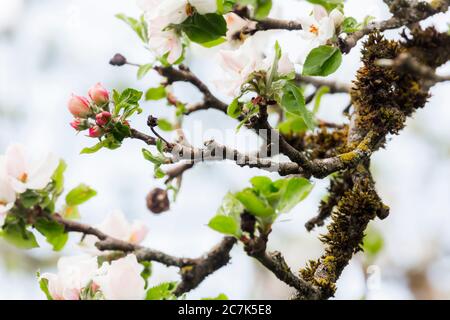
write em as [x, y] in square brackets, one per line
[103, 118]
[99, 94]
[76, 124]
[79, 106]
[95, 132]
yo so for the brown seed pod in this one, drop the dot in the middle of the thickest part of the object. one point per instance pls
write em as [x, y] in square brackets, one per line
[158, 201]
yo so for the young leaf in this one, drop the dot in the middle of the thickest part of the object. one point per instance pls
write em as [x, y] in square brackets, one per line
[322, 61]
[156, 160]
[54, 232]
[221, 296]
[294, 102]
[80, 195]
[164, 291]
[226, 225]
[329, 5]
[43, 285]
[143, 70]
[318, 98]
[58, 177]
[14, 231]
[139, 26]
[234, 109]
[165, 125]
[204, 28]
[156, 93]
[254, 204]
[295, 191]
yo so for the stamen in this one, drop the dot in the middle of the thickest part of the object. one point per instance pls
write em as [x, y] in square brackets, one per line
[23, 177]
[314, 29]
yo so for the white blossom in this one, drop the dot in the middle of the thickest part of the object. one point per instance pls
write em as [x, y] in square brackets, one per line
[118, 227]
[74, 274]
[26, 173]
[239, 64]
[121, 279]
[7, 196]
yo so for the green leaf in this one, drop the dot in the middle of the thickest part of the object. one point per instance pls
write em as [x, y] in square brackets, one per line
[262, 184]
[214, 43]
[329, 5]
[139, 26]
[165, 125]
[156, 160]
[234, 109]
[373, 242]
[80, 195]
[263, 8]
[127, 100]
[226, 225]
[30, 198]
[295, 191]
[58, 177]
[350, 25]
[93, 149]
[14, 231]
[293, 124]
[318, 98]
[143, 70]
[164, 291]
[254, 204]
[71, 213]
[53, 231]
[204, 28]
[322, 61]
[43, 285]
[147, 272]
[221, 296]
[156, 93]
[293, 101]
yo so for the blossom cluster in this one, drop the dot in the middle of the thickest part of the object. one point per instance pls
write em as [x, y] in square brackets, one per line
[83, 278]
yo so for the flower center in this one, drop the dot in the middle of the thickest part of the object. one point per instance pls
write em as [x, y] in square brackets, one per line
[23, 177]
[3, 202]
[314, 29]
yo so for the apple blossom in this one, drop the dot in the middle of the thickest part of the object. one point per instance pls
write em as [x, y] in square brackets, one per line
[99, 94]
[74, 274]
[95, 132]
[25, 173]
[117, 226]
[121, 279]
[240, 64]
[161, 14]
[235, 26]
[79, 106]
[320, 27]
[103, 118]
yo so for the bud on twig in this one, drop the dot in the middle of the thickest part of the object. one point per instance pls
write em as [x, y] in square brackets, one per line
[118, 60]
[152, 121]
[158, 201]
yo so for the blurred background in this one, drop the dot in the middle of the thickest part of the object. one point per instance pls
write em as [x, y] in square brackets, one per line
[51, 48]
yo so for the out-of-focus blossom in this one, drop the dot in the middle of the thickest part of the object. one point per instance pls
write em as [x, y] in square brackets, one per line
[121, 279]
[99, 94]
[79, 106]
[25, 173]
[240, 64]
[118, 227]
[161, 14]
[235, 26]
[74, 274]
